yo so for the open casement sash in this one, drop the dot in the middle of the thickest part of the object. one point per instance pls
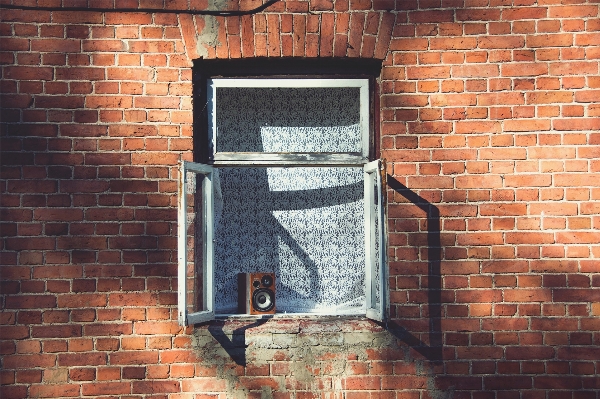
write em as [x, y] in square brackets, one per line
[196, 301]
[195, 274]
[375, 248]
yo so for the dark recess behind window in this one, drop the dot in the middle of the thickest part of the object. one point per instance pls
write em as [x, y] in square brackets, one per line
[278, 68]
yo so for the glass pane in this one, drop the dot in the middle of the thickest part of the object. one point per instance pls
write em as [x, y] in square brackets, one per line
[321, 119]
[304, 224]
[195, 300]
[377, 238]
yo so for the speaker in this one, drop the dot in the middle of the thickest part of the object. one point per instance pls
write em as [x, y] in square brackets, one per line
[256, 293]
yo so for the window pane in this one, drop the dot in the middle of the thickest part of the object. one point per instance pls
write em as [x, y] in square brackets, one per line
[375, 243]
[377, 266]
[195, 300]
[288, 120]
[304, 224]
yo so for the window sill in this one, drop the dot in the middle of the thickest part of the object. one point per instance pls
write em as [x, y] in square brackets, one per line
[290, 316]
[288, 324]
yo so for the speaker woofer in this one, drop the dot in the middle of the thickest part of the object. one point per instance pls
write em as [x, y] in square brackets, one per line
[263, 299]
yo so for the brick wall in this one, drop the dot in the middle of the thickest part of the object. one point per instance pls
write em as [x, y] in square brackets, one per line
[490, 113]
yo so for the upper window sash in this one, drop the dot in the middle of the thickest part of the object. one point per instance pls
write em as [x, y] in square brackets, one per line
[232, 154]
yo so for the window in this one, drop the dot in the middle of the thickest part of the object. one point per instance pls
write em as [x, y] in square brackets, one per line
[286, 186]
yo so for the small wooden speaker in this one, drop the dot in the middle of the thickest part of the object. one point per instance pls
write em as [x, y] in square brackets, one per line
[256, 293]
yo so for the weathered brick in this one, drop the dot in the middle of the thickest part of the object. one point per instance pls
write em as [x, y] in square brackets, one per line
[52, 391]
[133, 357]
[105, 388]
[26, 361]
[30, 301]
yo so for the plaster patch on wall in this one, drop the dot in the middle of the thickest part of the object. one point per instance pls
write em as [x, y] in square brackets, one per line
[438, 394]
[298, 355]
[209, 33]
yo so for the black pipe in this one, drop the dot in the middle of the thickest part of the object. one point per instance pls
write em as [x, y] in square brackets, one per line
[144, 10]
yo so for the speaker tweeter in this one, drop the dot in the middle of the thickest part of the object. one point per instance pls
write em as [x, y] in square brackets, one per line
[256, 293]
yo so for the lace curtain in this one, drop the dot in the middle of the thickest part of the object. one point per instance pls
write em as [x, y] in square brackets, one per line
[321, 119]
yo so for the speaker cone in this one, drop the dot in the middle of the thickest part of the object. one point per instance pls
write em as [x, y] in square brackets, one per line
[263, 299]
[267, 280]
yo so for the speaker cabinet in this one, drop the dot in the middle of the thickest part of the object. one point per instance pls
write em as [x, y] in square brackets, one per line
[256, 293]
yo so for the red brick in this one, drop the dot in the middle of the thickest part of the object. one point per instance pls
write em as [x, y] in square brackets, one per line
[550, 40]
[58, 214]
[83, 131]
[478, 182]
[14, 391]
[430, 16]
[524, 69]
[553, 324]
[572, 11]
[501, 382]
[441, 100]
[574, 68]
[470, 71]
[29, 376]
[528, 181]
[402, 382]
[362, 383]
[203, 384]
[577, 124]
[28, 73]
[14, 332]
[133, 357]
[529, 238]
[30, 301]
[549, 97]
[81, 242]
[404, 101]
[408, 44]
[524, 13]
[55, 390]
[503, 153]
[587, 96]
[105, 388]
[500, 42]
[107, 329]
[149, 387]
[527, 125]
[27, 361]
[150, 328]
[461, 43]
[432, 72]
[82, 374]
[482, 352]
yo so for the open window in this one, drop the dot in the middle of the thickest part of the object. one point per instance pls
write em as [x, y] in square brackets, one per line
[287, 188]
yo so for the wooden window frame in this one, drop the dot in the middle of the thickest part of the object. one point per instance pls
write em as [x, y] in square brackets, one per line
[267, 73]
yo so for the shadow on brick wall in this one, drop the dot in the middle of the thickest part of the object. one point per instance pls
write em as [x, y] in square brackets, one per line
[432, 350]
[236, 345]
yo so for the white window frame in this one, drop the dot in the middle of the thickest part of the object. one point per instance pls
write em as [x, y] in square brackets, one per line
[287, 159]
[373, 207]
